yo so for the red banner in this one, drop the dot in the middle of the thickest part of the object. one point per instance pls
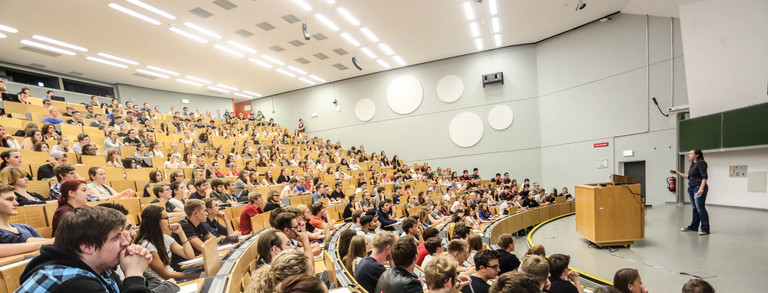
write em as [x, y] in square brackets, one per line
[601, 144]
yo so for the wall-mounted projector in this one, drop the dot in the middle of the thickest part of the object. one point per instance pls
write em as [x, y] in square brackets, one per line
[678, 109]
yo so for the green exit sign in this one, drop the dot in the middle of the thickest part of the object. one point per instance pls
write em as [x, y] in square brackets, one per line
[185, 101]
[628, 153]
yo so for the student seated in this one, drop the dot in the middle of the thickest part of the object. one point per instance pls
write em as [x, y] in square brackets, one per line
[441, 275]
[507, 260]
[538, 268]
[400, 277]
[370, 268]
[154, 222]
[287, 263]
[560, 276]
[164, 195]
[255, 200]
[17, 179]
[434, 247]
[301, 283]
[487, 268]
[515, 281]
[53, 117]
[192, 228]
[214, 226]
[98, 188]
[356, 251]
[628, 280]
[11, 232]
[90, 243]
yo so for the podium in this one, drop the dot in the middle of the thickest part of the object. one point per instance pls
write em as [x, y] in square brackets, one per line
[608, 214]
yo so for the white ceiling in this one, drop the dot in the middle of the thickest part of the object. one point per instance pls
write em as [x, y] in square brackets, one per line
[418, 31]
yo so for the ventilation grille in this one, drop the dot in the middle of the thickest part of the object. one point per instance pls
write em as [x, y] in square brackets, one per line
[301, 60]
[243, 33]
[38, 65]
[291, 19]
[201, 13]
[40, 51]
[296, 43]
[224, 4]
[321, 56]
[145, 76]
[215, 92]
[340, 51]
[319, 37]
[277, 48]
[75, 73]
[266, 26]
[340, 67]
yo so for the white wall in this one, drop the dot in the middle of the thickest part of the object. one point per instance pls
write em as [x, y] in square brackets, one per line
[585, 86]
[724, 190]
[39, 92]
[725, 53]
[166, 99]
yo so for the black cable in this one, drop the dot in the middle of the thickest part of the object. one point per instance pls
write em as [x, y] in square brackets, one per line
[657, 106]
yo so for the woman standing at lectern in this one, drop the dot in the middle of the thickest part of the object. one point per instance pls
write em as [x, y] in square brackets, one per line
[697, 191]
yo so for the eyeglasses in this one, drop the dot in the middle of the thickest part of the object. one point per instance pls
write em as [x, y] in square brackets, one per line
[496, 267]
[166, 218]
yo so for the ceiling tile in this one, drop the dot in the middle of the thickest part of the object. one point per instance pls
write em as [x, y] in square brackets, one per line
[243, 33]
[266, 26]
[202, 13]
[224, 4]
[296, 43]
[302, 60]
[340, 51]
[291, 19]
[319, 37]
[340, 67]
[321, 56]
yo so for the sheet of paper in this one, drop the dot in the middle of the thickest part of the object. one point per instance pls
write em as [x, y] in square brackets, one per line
[189, 288]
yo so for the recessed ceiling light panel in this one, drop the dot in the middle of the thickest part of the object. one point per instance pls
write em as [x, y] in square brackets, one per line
[134, 13]
[60, 43]
[152, 8]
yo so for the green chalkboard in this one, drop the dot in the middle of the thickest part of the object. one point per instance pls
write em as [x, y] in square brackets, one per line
[701, 133]
[741, 127]
[746, 126]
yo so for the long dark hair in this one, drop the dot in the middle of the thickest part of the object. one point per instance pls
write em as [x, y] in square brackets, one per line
[699, 157]
[623, 278]
[5, 155]
[151, 231]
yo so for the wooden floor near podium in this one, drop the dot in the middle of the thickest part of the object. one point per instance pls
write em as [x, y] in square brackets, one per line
[732, 258]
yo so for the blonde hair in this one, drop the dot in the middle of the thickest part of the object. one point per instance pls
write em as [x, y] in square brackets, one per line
[288, 263]
[441, 269]
[537, 249]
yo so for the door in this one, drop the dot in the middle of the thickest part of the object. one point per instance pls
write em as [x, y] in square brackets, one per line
[637, 171]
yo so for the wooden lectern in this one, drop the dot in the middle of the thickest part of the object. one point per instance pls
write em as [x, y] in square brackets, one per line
[608, 214]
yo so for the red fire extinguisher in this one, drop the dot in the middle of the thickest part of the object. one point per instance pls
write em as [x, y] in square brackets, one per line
[671, 183]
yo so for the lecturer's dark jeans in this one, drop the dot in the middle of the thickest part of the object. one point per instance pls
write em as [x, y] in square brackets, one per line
[700, 214]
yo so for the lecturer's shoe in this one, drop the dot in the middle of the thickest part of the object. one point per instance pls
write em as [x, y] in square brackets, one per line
[685, 229]
[702, 233]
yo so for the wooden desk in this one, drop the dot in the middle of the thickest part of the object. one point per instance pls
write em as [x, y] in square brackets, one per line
[610, 215]
[199, 282]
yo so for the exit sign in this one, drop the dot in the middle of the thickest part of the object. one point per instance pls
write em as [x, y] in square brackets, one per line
[601, 144]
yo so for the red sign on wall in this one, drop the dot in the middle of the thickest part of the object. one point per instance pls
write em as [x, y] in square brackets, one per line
[601, 144]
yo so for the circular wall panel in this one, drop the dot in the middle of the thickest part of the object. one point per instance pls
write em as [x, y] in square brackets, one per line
[365, 109]
[466, 129]
[500, 117]
[450, 88]
[404, 94]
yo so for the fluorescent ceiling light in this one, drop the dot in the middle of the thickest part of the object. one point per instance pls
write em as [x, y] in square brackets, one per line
[188, 82]
[369, 34]
[468, 11]
[199, 79]
[350, 39]
[327, 22]
[3, 36]
[105, 55]
[218, 89]
[49, 48]
[9, 29]
[242, 95]
[351, 18]
[60, 43]
[383, 63]
[275, 60]
[147, 72]
[474, 29]
[368, 52]
[479, 43]
[286, 72]
[303, 5]
[253, 94]
[162, 70]
[242, 47]
[492, 7]
[297, 70]
[228, 87]
[386, 49]
[202, 30]
[307, 81]
[399, 60]
[134, 14]
[497, 39]
[102, 61]
[331, 1]
[262, 63]
[316, 78]
[152, 8]
[228, 50]
[188, 35]
[495, 26]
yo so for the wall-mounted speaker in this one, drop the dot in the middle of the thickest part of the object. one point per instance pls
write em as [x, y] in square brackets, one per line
[493, 78]
[357, 65]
